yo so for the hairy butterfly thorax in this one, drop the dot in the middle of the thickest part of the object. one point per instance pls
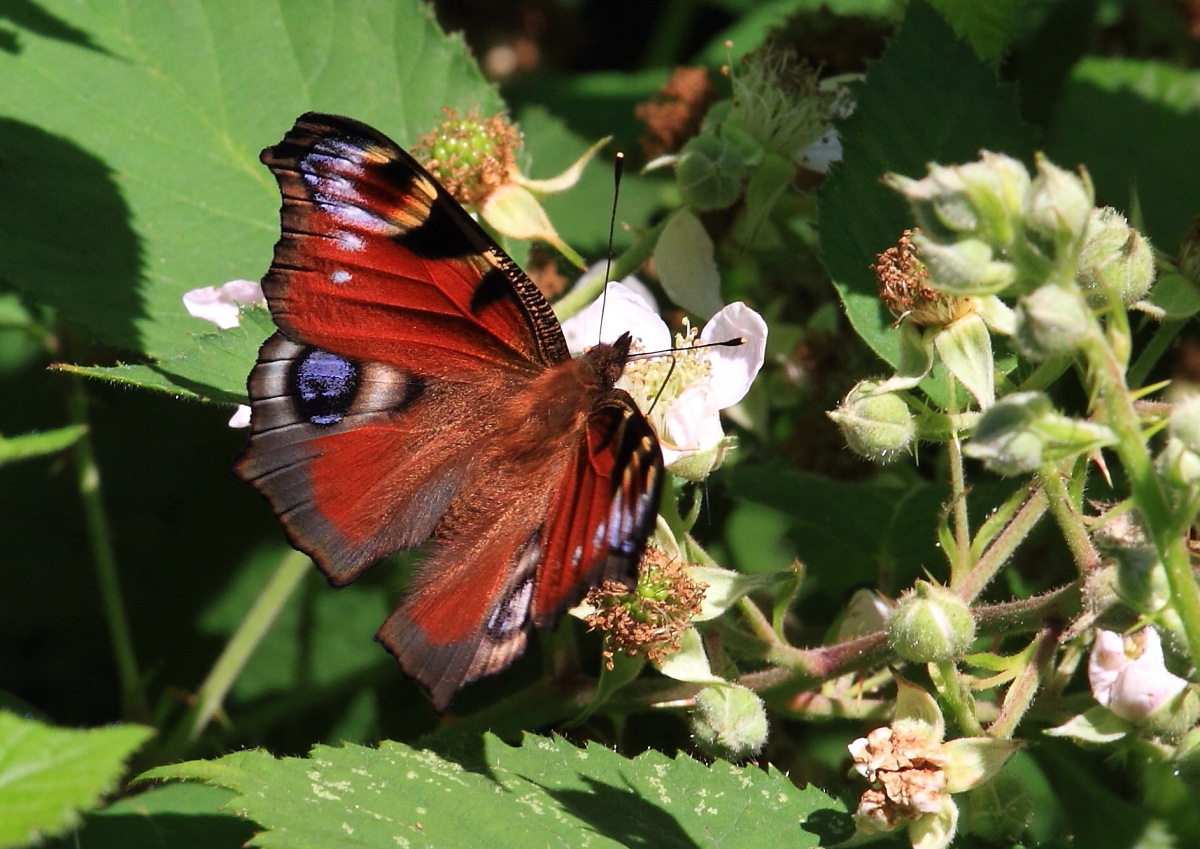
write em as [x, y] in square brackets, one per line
[420, 386]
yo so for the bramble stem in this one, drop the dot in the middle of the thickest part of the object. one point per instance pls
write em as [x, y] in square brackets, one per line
[1068, 518]
[961, 563]
[262, 615]
[1106, 370]
[1003, 546]
[100, 538]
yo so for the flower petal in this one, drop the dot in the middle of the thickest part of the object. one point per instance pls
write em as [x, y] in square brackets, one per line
[1105, 664]
[221, 305]
[624, 310]
[734, 368]
[694, 420]
[240, 417]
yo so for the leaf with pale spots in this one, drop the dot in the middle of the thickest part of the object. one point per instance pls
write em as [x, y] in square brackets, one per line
[545, 792]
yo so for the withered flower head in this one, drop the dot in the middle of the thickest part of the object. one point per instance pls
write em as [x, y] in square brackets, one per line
[470, 156]
[908, 770]
[649, 619]
[673, 114]
[904, 288]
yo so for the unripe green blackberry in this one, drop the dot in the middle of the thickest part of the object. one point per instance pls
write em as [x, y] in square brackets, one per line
[931, 625]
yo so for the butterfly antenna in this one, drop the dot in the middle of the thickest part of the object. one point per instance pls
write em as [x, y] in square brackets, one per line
[670, 352]
[618, 169]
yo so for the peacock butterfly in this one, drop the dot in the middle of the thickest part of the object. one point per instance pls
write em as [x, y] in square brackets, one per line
[418, 386]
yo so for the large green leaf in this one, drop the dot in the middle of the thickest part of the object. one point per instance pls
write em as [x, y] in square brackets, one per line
[928, 99]
[1136, 126]
[546, 792]
[48, 775]
[130, 132]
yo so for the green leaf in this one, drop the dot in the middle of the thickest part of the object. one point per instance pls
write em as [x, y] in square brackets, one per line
[988, 26]
[37, 444]
[928, 99]
[1132, 123]
[761, 19]
[178, 816]
[546, 792]
[211, 366]
[130, 150]
[49, 775]
[848, 533]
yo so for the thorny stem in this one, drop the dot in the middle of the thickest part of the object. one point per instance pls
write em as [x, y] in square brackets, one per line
[1003, 546]
[262, 615]
[1106, 370]
[1068, 518]
[957, 696]
[758, 622]
[961, 563]
[88, 481]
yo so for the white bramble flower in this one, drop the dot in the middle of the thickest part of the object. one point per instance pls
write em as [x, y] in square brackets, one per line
[698, 385]
[1131, 687]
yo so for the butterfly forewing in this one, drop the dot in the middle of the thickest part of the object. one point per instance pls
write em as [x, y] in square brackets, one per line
[420, 385]
[377, 262]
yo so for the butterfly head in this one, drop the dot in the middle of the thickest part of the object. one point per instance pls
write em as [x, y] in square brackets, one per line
[609, 360]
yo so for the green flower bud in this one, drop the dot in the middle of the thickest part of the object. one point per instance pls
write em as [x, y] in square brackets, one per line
[999, 810]
[1114, 258]
[1175, 717]
[1058, 206]
[1185, 422]
[981, 199]
[729, 721]
[877, 426]
[964, 268]
[1051, 322]
[1023, 430]
[1178, 465]
[931, 625]
[1189, 252]
[711, 172]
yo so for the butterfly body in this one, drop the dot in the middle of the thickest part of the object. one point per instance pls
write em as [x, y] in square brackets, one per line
[419, 386]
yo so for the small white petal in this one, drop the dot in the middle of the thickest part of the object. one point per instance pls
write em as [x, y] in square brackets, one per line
[1105, 664]
[240, 417]
[220, 305]
[693, 421]
[1144, 684]
[734, 368]
[604, 321]
[822, 153]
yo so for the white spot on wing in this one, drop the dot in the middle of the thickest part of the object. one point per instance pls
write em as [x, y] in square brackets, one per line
[340, 276]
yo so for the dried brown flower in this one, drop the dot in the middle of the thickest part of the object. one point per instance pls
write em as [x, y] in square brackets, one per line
[649, 619]
[904, 288]
[674, 114]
